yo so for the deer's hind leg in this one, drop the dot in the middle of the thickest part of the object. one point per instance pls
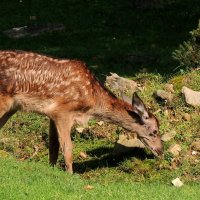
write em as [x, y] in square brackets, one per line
[6, 110]
[6, 117]
[53, 143]
[63, 125]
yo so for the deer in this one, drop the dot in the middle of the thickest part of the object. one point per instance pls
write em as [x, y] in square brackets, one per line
[67, 92]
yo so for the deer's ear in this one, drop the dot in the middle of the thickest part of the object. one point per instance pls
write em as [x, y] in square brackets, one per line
[139, 107]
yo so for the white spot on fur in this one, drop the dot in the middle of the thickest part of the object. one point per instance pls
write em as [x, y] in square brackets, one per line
[76, 96]
[86, 92]
[88, 83]
[77, 78]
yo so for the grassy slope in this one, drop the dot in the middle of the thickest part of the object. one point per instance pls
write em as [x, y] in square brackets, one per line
[136, 175]
[25, 180]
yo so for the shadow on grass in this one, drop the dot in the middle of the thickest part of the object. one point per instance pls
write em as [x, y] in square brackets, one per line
[104, 157]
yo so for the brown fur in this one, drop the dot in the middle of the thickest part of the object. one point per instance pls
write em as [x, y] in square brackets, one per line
[64, 90]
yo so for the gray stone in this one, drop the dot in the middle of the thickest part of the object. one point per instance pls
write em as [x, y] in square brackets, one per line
[191, 97]
[168, 136]
[196, 145]
[120, 85]
[177, 182]
[175, 149]
[187, 117]
[169, 87]
[126, 143]
[162, 94]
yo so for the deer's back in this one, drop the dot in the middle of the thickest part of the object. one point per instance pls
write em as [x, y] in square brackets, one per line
[25, 74]
[37, 74]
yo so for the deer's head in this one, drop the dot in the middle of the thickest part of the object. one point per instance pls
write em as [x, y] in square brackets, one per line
[147, 126]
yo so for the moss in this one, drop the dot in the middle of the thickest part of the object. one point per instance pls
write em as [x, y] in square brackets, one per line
[178, 82]
[4, 154]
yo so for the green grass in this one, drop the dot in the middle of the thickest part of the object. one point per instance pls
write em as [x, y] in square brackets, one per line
[29, 180]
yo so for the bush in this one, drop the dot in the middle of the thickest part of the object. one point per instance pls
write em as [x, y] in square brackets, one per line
[188, 53]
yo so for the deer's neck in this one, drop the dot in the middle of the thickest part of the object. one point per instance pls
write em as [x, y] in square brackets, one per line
[115, 111]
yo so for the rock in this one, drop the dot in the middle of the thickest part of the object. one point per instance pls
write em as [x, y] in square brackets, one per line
[187, 117]
[177, 182]
[126, 144]
[120, 85]
[196, 145]
[191, 97]
[161, 94]
[168, 136]
[129, 141]
[169, 88]
[175, 149]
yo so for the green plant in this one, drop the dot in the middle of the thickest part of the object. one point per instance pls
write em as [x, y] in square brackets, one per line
[188, 53]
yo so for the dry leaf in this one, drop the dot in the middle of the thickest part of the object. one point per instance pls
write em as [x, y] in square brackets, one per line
[83, 155]
[79, 129]
[88, 187]
[100, 123]
[194, 152]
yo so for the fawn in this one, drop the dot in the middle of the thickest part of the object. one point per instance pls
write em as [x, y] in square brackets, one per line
[67, 92]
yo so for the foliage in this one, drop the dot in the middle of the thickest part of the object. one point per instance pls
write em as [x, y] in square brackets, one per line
[188, 54]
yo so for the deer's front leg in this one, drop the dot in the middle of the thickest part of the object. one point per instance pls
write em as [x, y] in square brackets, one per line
[53, 143]
[64, 129]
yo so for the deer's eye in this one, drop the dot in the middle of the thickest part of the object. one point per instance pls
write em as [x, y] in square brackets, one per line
[155, 132]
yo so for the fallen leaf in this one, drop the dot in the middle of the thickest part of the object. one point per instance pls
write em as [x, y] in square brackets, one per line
[83, 155]
[88, 187]
[100, 123]
[79, 129]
